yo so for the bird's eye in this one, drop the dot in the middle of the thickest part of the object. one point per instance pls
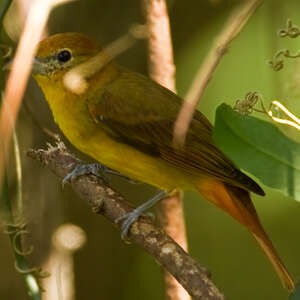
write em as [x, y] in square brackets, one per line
[64, 55]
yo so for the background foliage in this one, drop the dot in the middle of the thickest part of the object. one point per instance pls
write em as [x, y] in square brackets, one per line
[107, 268]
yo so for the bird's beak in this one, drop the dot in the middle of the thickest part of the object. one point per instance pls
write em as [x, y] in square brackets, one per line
[38, 66]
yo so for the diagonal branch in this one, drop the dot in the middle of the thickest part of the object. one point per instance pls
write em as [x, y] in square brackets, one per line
[35, 23]
[232, 28]
[104, 200]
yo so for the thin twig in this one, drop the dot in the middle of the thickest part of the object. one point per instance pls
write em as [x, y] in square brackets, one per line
[104, 200]
[75, 80]
[232, 28]
[162, 70]
[16, 231]
[161, 62]
[18, 77]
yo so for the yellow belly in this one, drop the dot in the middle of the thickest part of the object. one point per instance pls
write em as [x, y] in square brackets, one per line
[133, 163]
[71, 114]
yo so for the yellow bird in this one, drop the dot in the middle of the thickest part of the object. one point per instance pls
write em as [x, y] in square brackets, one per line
[125, 120]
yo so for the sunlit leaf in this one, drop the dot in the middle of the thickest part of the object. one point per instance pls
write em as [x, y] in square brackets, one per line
[259, 148]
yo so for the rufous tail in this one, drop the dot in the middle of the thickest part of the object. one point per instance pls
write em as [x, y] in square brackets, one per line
[236, 202]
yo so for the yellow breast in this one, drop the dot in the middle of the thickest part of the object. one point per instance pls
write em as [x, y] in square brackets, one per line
[71, 114]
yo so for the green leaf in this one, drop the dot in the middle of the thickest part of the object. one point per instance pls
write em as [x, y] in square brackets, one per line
[296, 293]
[259, 148]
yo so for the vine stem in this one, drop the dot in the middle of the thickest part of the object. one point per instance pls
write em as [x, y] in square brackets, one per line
[15, 231]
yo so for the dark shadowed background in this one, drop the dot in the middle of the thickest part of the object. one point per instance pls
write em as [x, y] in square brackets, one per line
[107, 268]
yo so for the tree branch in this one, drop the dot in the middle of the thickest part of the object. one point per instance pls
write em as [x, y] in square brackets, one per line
[104, 200]
[161, 64]
[232, 28]
[162, 70]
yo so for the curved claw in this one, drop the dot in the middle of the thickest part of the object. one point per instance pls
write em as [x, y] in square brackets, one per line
[129, 219]
[132, 216]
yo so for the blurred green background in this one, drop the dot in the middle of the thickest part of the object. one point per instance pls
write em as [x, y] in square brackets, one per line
[107, 268]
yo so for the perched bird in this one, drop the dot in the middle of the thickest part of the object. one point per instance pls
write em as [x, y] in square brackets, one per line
[125, 120]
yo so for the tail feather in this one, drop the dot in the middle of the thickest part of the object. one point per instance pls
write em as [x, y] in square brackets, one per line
[276, 262]
[237, 203]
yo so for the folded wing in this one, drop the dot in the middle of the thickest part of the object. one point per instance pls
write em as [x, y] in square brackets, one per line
[137, 111]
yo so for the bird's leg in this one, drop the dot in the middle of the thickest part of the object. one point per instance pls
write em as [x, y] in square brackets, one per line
[129, 218]
[96, 169]
[113, 172]
[84, 169]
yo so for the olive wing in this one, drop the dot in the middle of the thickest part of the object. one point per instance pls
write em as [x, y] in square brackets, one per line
[139, 112]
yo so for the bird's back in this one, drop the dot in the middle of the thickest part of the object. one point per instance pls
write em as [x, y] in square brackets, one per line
[140, 113]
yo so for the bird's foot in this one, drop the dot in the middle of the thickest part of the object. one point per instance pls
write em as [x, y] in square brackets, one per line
[96, 169]
[84, 169]
[129, 218]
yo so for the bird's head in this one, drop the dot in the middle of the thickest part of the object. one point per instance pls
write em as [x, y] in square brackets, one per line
[60, 52]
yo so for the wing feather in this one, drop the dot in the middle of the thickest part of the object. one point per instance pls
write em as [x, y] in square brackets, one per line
[139, 112]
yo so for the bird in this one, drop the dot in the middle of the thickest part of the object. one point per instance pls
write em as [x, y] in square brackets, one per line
[124, 120]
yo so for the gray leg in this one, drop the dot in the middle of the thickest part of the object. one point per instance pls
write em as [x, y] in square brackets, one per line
[84, 169]
[129, 218]
[112, 172]
[96, 169]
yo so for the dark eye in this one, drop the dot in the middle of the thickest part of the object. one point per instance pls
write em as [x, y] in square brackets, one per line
[63, 56]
